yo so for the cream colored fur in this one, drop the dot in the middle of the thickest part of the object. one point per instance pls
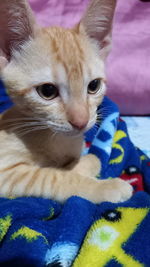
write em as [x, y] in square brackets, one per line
[39, 146]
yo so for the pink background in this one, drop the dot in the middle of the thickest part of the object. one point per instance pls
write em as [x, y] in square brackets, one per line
[58, 12]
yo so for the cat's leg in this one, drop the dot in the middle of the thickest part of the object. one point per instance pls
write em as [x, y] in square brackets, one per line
[114, 190]
[88, 165]
[25, 180]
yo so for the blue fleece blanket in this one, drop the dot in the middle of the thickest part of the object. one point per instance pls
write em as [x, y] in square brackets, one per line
[40, 232]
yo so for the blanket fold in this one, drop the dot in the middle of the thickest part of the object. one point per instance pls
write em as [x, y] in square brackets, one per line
[41, 232]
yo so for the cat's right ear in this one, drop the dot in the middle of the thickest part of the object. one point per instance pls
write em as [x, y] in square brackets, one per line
[97, 21]
[17, 25]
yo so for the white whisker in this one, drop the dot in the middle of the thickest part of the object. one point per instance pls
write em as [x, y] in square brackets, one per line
[26, 131]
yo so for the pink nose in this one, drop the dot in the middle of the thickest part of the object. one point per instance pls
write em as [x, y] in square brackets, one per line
[79, 124]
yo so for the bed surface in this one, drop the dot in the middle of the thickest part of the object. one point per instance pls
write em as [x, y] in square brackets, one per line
[139, 131]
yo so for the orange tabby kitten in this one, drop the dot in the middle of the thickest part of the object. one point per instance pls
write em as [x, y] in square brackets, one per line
[56, 79]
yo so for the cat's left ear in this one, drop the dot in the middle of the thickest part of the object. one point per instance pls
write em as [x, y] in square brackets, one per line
[97, 21]
[17, 25]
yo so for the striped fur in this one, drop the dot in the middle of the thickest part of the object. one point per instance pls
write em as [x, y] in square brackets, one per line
[39, 147]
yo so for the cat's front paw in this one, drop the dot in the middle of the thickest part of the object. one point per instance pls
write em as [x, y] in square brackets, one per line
[118, 190]
[88, 165]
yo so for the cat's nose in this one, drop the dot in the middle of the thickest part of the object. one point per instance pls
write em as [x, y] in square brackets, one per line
[79, 124]
[78, 115]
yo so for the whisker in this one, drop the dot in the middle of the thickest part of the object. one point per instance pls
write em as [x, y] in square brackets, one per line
[13, 126]
[30, 123]
[25, 125]
[25, 132]
[21, 119]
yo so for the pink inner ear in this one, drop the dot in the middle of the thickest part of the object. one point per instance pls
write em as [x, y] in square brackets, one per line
[17, 24]
[3, 62]
[97, 20]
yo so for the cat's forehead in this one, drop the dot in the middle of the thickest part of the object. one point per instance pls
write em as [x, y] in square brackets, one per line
[58, 55]
[70, 48]
[67, 50]
[65, 43]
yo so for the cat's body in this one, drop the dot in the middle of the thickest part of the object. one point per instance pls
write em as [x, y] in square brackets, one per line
[56, 79]
[30, 169]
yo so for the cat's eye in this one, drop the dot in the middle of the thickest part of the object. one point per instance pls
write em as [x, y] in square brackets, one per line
[47, 91]
[94, 86]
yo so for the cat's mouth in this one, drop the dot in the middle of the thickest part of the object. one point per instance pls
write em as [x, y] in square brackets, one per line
[70, 130]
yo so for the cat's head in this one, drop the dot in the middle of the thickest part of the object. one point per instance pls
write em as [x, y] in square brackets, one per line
[53, 74]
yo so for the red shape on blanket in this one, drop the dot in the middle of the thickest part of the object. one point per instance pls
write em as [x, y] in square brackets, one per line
[88, 144]
[134, 177]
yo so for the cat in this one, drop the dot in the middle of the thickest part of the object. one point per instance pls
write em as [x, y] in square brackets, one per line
[56, 79]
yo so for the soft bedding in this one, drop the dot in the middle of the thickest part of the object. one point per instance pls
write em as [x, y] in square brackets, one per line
[40, 232]
[139, 131]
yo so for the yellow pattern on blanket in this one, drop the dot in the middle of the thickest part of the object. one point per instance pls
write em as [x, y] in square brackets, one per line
[106, 237]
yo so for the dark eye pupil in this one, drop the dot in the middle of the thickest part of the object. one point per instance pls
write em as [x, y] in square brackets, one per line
[94, 86]
[47, 91]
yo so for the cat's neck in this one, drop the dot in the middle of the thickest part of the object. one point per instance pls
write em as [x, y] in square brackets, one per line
[48, 148]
